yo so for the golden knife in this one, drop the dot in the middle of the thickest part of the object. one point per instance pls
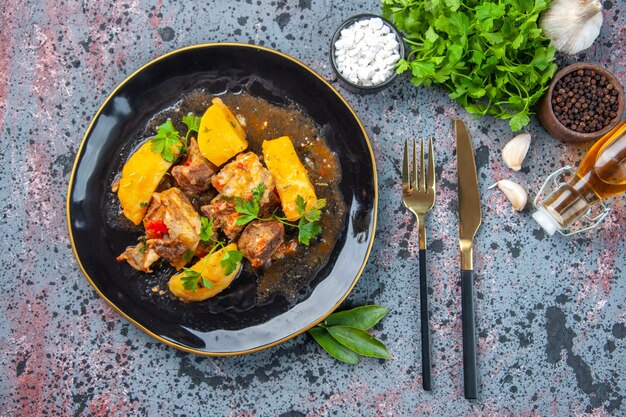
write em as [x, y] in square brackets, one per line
[469, 221]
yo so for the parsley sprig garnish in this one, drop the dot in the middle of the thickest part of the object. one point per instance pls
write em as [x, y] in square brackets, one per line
[307, 226]
[229, 261]
[167, 137]
[168, 141]
[193, 124]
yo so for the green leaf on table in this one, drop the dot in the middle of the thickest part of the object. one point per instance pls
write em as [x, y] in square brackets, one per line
[403, 65]
[364, 317]
[518, 121]
[422, 69]
[359, 341]
[334, 348]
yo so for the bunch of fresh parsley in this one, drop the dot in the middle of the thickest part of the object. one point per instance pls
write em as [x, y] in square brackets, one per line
[490, 55]
[307, 226]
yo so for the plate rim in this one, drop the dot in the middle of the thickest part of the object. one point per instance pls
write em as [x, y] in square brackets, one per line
[88, 131]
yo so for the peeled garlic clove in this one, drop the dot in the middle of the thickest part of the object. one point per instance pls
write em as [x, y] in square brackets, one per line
[515, 193]
[515, 151]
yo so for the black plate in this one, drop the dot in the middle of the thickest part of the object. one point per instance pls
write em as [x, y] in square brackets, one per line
[201, 327]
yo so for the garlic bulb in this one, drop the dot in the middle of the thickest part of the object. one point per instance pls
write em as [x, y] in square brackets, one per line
[572, 25]
[515, 193]
[515, 151]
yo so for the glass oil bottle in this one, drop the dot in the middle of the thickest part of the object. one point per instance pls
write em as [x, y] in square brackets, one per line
[601, 174]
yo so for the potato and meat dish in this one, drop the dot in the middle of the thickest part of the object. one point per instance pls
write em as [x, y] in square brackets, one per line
[257, 207]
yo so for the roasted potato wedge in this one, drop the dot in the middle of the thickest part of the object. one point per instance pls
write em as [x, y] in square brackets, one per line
[141, 175]
[212, 270]
[220, 136]
[290, 175]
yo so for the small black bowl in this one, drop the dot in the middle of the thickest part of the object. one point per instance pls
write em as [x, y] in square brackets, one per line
[350, 86]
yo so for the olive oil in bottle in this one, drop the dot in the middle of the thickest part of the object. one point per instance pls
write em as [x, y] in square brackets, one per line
[602, 174]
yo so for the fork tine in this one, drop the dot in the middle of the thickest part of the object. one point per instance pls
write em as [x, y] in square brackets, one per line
[416, 183]
[431, 165]
[422, 167]
[406, 179]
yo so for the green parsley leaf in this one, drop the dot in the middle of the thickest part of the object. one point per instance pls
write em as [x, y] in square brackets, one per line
[403, 65]
[300, 205]
[518, 121]
[206, 283]
[231, 260]
[320, 204]
[431, 35]
[192, 122]
[142, 239]
[307, 231]
[188, 255]
[257, 193]
[144, 204]
[166, 138]
[245, 219]
[249, 209]
[206, 229]
[313, 215]
[190, 279]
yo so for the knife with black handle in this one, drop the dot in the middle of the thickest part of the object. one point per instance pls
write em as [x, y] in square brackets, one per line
[469, 221]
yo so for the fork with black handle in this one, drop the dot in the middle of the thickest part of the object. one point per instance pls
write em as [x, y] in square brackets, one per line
[418, 195]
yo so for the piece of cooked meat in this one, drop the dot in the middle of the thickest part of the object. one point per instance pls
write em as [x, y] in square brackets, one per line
[286, 249]
[204, 248]
[194, 175]
[176, 252]
[259, 241]
[140, 257]
[224, 216]
[172, 226]
[239, 177]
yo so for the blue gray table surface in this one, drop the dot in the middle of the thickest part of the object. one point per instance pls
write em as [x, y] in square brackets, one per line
[551, 310]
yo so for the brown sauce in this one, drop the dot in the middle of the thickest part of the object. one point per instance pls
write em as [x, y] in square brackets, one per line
[291, 275]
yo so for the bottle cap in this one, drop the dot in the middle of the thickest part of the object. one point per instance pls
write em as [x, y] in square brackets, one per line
[545, 220]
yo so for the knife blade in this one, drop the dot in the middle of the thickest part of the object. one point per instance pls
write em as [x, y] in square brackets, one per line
[469, 221]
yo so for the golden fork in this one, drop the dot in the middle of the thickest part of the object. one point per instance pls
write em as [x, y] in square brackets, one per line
[418, 195]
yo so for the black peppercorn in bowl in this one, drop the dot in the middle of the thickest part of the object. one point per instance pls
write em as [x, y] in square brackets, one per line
[584, 101]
